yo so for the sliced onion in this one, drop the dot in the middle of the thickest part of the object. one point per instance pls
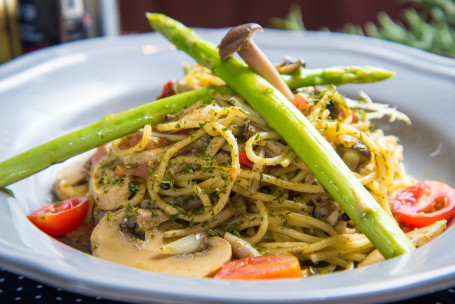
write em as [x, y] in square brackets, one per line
[187, 244]
[240, 247]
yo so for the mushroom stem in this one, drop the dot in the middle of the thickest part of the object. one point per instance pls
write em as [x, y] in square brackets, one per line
[258, 62]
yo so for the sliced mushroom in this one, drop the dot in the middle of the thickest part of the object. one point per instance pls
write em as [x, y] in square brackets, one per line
[110, 191]
[72, 180]
[98, 214]
[119, 236]
[204, 263]
[238, 39]
[136, 243]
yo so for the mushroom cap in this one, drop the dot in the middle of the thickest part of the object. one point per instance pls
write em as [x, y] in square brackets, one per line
[111, 241]
[235, 39]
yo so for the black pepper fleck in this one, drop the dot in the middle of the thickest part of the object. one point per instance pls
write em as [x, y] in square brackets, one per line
[345, 217]
[165, 186]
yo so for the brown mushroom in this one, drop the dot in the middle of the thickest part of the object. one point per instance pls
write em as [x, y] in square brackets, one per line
[137, 238]
[290, 65]
[238, 39]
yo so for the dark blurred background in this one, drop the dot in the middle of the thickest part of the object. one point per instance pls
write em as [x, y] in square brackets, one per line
[205, 13]
[27, 25]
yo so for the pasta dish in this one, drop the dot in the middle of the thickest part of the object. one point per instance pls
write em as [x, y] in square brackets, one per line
[218, 172]
[241, 170]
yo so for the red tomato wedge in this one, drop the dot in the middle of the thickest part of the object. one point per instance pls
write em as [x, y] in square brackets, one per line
[60, 218]
[168, 89]
[261, 267]
[301, 103]
[424, 204]
[244, 160]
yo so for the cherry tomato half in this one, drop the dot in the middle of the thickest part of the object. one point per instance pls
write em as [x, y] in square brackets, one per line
[60, 218]
[424, 204]
[168, 89]
[261, 267]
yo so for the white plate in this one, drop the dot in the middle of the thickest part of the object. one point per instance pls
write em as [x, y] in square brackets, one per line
[51, 92]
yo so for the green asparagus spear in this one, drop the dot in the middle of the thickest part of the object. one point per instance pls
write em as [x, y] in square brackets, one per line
[292, 125]
[107, 129]
[336, 75]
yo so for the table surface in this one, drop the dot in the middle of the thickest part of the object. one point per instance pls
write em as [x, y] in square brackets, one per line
[19, 289]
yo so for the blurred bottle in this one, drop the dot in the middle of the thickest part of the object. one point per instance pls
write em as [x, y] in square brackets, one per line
[38, 24]
[10, 45]
[76, 21]
[28, 25]
[48, 22]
